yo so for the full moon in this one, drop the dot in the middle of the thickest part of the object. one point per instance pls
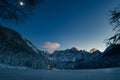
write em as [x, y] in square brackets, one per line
[21, 3]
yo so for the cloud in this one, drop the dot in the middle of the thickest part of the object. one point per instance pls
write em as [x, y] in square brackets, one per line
[51, 45]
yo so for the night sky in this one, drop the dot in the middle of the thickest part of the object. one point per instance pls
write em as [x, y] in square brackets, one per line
[68, 23]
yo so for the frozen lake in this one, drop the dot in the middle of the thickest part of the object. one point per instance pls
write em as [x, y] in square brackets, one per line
[93, 74]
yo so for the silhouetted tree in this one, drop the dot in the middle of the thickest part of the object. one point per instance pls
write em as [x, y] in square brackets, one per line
[16, 10]
[115, 21]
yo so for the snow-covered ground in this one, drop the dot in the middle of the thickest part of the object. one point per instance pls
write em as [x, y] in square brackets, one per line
[93, 74]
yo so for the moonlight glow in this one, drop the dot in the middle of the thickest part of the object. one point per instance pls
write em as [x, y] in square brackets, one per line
[21, 3]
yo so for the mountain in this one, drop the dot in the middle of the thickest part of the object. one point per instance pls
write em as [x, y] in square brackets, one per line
[66, 55]
[111, 56]
[15, 50]
[81, 59]
[74, 59]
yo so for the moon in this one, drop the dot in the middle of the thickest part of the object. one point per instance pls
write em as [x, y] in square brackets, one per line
[21, 3]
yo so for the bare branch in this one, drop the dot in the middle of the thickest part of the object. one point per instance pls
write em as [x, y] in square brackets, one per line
[16, 10]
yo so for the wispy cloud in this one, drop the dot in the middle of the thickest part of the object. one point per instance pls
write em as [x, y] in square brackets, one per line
[51, 45]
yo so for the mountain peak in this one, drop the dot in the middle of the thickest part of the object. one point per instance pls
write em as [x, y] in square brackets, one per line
[76, 48]
[73, 48]
[93, 50]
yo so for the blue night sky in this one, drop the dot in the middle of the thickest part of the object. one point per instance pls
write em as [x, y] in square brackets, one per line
[82, 23]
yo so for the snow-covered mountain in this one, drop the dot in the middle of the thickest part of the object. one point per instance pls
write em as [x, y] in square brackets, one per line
[67, 55]
[15, 50]
[74, 59]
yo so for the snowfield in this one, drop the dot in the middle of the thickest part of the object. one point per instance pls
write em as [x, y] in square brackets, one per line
[92, 74]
